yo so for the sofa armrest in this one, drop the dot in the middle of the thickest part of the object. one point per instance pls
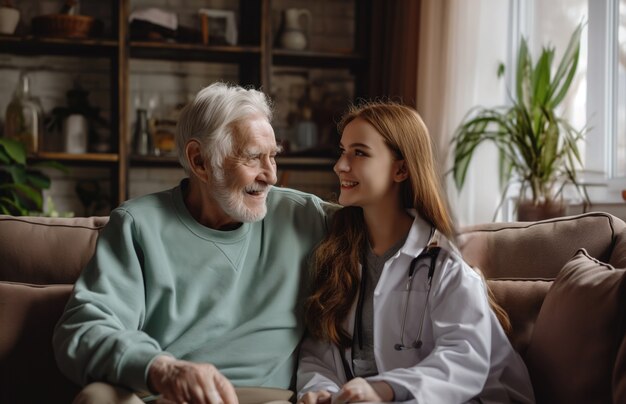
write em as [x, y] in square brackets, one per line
[28, 370]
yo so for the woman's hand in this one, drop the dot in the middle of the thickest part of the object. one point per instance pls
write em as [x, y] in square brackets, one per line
[359, 389]
[315, 397]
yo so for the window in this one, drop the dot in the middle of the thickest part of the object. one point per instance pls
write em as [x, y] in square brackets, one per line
[620, 146]
[597, 97]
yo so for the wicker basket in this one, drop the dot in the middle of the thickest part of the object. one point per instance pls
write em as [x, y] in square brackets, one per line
[65, 26]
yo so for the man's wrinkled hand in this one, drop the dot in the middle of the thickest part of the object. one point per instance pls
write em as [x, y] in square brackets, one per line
[187, 382]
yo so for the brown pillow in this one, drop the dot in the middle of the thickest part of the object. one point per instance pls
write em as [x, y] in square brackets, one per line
[28, 370]
[578, 332]
[522, 299]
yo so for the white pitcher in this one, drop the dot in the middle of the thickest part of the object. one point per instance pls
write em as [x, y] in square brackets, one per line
[293, 36]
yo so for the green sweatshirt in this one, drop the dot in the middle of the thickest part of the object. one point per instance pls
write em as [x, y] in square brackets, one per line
[160, 282]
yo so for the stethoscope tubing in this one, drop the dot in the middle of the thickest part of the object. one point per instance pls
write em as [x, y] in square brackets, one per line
[432, 253]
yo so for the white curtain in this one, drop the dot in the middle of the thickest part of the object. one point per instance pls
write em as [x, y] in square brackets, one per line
[461, 44]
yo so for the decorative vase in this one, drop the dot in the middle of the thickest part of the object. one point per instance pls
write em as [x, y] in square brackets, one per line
[24, 116]
[527, 211]
[9, 17]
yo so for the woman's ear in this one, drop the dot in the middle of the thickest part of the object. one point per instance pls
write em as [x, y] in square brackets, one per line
[401, 173]
[193, 152]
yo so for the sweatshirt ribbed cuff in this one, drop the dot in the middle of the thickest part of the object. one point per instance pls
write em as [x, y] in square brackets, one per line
[134, 363]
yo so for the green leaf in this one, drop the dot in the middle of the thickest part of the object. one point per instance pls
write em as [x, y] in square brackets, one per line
[567, 66]
[27, 192]
[561, 88]
[541, 78]
[18, 173]
[501, 70]
[51, 164]
[522, 76]
[4, 157]
[37, 180]
[15, 150]
[10, 207]
[505, 167]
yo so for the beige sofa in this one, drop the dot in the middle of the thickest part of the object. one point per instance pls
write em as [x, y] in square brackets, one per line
[570, 331]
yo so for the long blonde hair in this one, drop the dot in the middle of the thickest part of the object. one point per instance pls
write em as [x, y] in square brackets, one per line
[335, 267]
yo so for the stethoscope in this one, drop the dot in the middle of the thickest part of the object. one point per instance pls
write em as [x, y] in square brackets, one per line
[431, 251]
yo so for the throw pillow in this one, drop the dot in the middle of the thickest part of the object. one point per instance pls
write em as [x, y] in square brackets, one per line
[578, 332]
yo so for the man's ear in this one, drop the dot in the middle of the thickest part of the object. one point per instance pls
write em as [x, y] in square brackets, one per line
[197, 163]
[401, 173]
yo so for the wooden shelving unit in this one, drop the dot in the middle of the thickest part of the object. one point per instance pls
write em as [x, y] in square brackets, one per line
[255, 56]
[78, 158]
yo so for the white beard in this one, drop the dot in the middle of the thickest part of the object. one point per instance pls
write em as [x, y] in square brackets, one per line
[232, 202]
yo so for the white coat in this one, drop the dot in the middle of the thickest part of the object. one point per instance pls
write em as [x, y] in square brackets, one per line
[465, 353]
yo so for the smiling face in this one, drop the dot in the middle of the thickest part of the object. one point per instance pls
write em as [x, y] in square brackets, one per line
[369, 173]
[241, 186]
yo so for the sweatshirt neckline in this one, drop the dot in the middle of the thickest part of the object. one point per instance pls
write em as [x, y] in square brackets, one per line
[198, 229]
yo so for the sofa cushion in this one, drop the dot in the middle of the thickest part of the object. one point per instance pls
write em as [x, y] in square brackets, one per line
[28, 370]
[538, 249]
[522, 301]
[577, 334]
[619, 372]
[46, 250]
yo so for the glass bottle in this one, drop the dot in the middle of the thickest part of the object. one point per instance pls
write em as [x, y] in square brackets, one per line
[24, 116]
[142, 139]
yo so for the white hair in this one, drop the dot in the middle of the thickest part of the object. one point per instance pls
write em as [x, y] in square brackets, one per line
[211, 118]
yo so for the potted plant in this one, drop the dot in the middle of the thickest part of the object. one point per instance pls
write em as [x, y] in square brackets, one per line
[538, 148]
[21, 186]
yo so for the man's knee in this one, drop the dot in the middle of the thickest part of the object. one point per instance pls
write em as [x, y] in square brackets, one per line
[102, 393]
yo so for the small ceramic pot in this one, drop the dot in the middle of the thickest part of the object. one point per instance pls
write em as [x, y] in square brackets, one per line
[529, 212]
[9, 17]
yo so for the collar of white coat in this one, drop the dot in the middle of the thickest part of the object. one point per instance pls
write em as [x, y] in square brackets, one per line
[420, 235]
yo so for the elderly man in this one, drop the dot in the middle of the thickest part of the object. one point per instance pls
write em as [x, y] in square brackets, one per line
[200, 286]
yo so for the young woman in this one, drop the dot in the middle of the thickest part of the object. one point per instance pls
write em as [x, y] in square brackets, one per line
[395, 313]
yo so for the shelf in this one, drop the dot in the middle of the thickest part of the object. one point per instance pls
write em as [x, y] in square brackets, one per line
[69, 158]
[154, 161]
[283, 57]
[191, 52]
[33, 45]
[250, 64]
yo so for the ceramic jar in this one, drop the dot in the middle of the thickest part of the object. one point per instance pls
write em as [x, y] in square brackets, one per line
[9, 17]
